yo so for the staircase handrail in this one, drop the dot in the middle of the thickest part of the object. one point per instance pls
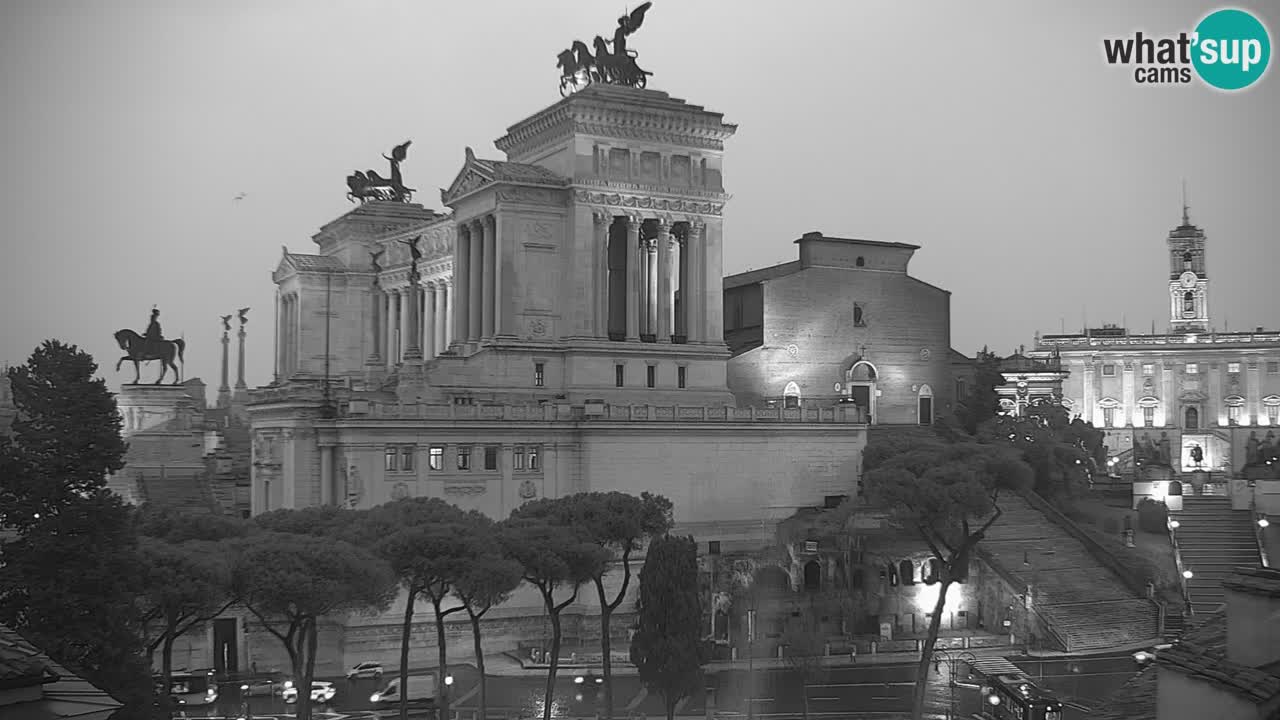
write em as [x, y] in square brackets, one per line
[1183, 585]
[1257, 531]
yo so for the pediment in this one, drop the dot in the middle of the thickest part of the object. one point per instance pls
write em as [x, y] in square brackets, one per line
[470, 178]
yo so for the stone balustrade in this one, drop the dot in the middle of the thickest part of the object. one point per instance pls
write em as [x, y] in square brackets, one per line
[1067, 341]
[601, 412]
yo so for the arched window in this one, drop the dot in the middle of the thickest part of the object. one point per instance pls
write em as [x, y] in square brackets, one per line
[860, 262]
[1188, 302]
[862, 371]
[933, 571]
[791, 395]
[907, 572]
[858, 318]
[812, 576]
[1186, 260]
[1175, 488]
[1192, 417]
[893, 576]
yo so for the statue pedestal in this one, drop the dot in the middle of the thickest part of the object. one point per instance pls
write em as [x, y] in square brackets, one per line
[159, 408]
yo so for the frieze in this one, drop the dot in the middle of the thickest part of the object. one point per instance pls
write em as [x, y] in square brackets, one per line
[450, 489]
[531, 196]
[649, 203]
[621, 186]
[629, 132]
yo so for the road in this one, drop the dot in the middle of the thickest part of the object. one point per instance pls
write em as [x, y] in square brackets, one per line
[865, 691]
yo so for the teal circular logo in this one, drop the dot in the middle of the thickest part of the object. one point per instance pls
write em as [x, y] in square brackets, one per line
[1231, 49]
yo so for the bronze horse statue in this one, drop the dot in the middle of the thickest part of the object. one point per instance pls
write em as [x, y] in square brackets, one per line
[139, 349]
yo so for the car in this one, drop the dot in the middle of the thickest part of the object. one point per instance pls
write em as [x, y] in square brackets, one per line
[321, 692]
[268, 684]
[1143, 657]
[365, 670]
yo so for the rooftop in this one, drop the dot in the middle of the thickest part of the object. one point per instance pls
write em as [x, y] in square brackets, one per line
[63, 694]
[1255, 581]
[815, 235]
[1202, 654]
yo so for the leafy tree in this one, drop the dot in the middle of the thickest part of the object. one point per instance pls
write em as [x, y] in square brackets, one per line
[666, 648]
[70, 571]
[948, 493]
[488, 580]
[553, 556]
[290, 581]
[620, 524]
[185, 585]
[1062, 453]
[426, 543]
[982, 402]
[176, 526]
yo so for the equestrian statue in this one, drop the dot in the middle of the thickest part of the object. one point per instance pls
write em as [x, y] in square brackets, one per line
[617, 66]
[151, 345]
[369, 185]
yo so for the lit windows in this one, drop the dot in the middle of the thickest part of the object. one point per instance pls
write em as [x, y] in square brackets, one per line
[1148, 369]
[464, 457]
[1149, 416]
[1233, 414]
[435, 457]
[539, 374]
[1193, 369]
[1109, 417]
[398, 458]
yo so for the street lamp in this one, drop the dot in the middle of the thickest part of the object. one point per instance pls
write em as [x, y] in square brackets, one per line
[245, 712]
[951, 661]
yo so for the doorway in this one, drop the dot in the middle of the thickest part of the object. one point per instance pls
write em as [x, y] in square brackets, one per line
[226, 649]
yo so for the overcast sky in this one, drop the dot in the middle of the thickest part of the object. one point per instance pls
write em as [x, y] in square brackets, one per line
[1039, 181]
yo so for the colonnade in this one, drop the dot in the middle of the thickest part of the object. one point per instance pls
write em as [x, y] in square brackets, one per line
[479, 312]
[643, 263]
[397, 330]
[288, 333]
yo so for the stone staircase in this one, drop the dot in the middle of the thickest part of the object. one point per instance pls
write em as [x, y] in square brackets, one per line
[1082, 600]
[1213, 540]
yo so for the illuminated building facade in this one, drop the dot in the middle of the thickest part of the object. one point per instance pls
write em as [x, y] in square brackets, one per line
[1189, 399]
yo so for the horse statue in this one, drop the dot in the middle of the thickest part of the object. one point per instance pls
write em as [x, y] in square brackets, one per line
[369, 185]
[138, 349]
[577, 66]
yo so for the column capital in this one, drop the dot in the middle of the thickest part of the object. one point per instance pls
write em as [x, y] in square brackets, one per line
[601, 216]
[633, 220]
[696, 226]
[489, 220]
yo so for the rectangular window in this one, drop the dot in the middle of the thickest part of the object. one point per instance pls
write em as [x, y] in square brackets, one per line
[1193, 369]
[1273, 368]
[490, 457]
[435, 460]
[406, 458]
[464, 457]
[680, 376]
[1108, 371]
[1109, 417]
[1233, 414]
[1273, 414]
[517, 458]
[1233, 367]
[1148, 369]
[1148, 417]
[389, 459]
[533, 457]
[538, 374]
[618, 371]
[651, 376]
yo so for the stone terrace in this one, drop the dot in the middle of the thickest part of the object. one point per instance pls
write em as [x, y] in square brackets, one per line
[1086, 603]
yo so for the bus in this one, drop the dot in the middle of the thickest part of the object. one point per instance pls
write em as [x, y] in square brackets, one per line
[191, 687]
[1015, 697]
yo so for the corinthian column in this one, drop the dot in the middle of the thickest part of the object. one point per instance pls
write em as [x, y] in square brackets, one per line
[475, 298]
[240, 384]
[488, 276]
[430, 297]
[666, 281]
[634, 258]
[445, 329]
[601, 225]
[461, 284]
[224, 390]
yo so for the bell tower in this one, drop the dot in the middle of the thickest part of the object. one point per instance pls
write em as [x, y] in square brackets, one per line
[1188, 281]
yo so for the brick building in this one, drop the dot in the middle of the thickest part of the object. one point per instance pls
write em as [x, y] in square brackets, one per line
[844, 324]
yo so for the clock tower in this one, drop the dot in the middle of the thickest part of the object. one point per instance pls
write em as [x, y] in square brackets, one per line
[1188, 281]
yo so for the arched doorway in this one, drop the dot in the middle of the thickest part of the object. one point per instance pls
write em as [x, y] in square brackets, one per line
[812, 576]
[924, 405]
[791, 395]
[862, 387]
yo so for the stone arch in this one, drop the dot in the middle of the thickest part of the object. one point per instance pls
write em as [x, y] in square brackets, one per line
[1191, 417]
[1175, 488]
[812, 576]
[791, 395]
[862, 371]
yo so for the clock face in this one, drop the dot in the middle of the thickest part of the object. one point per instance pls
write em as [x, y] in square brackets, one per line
[1188, 279]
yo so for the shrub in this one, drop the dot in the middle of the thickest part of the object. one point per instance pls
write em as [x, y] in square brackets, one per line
[1153, 517]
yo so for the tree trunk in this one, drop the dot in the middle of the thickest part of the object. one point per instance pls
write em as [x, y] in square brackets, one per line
[606, 646]
[307, 660]
[549, 697]
[442, 692]
[671, 708]
[804, 694]
[166, 667]
[405, 633]
[475, 637]
[926, 652]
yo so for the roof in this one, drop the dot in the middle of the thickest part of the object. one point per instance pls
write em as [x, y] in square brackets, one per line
[21, 664]
[66, 696]
[1254, 581]
[1135, 700]
[856, 241]
[1202, 654]
[752, 277]
[514, 172]
[313, 262]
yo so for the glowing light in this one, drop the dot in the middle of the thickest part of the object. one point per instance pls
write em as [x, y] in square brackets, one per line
[1263, 522]
[579, 680]
[1187, 573]
[927, 597]
[993, 699]
[1174, 524]
[448, 680]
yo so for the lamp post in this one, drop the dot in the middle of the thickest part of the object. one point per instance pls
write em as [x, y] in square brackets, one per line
[951, 660]
[245, 712]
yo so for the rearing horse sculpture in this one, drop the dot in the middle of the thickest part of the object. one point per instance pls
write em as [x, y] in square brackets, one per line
[139, 349]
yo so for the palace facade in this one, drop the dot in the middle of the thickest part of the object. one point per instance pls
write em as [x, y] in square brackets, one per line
[1192, 398]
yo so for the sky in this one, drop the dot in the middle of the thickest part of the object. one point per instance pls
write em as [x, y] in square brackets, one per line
[1039, 182]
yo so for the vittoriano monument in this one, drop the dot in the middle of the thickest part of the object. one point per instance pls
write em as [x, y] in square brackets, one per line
[369, 185]
[151, 345]
[616, 66]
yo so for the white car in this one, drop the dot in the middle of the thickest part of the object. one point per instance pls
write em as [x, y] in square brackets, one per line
[321, 692]
[365, 670]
